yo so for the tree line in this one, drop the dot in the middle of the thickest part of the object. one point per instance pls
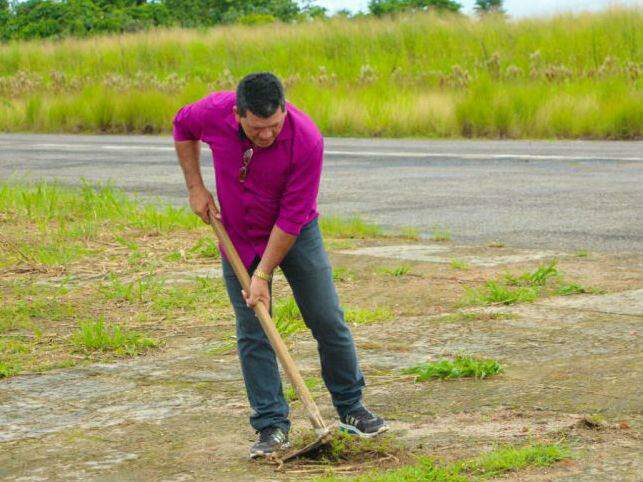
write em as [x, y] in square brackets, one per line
[29, 19]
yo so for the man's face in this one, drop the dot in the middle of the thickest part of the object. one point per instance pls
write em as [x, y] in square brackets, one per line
[261, 132]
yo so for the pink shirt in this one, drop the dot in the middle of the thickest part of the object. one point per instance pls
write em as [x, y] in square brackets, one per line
[282, 182]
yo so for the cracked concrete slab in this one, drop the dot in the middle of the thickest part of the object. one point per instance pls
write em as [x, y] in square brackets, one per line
[625, 303]
[445, 254]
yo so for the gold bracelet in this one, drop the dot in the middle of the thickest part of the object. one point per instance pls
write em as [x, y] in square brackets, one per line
[262, 275]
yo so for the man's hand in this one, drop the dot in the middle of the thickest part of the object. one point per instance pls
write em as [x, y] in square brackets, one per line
[201, 201]
[259, 292]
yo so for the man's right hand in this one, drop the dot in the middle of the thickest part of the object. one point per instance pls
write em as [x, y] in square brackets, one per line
[201, 201]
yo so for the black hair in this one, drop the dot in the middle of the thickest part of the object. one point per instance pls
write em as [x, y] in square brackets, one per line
[260, 93]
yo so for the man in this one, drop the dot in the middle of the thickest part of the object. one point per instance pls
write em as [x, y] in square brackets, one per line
[267, 159]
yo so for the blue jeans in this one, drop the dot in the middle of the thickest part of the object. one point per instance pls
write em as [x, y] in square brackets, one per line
[308, 271]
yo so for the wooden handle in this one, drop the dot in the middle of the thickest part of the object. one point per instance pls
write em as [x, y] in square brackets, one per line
[269, 328]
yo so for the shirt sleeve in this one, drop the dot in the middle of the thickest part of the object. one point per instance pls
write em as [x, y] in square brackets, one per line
[300, 194]
[188, 122]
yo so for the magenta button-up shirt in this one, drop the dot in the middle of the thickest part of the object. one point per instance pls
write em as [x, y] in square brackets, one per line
[282, 182]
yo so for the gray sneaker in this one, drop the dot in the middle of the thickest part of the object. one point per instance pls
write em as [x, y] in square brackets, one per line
[363, 423]
[271, 439]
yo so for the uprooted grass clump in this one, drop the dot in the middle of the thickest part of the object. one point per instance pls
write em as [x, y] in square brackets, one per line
[460, 367]
[348, 449]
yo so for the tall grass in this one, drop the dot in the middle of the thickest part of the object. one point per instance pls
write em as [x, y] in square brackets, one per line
[419, 75]
[77, 211]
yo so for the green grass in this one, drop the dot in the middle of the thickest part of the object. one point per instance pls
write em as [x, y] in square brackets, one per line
[354, 227]
[538, 277]
[313, 383]
[494, 292]
[28, 313]
[202, 295]
[459, 264]
[95, 336]
[508, 459]
[137, 291]
[543, 281]
[10, 351]
[428, 76]
[361, 316]
[72, 209]
[398, 271]
[287, 317]
[441, 234]
[460, 367]
[343, 274]
[498, 462]
[206, 247]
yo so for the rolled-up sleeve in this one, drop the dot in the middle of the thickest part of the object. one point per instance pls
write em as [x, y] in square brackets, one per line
[187, 123]
[300, 194]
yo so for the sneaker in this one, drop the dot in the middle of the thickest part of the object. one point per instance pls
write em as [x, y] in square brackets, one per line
[363, 423]
[271, 439]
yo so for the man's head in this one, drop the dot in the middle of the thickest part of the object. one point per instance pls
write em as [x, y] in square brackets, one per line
[261, 107]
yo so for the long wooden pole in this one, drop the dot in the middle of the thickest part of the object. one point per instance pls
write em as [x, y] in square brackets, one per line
[271, 330]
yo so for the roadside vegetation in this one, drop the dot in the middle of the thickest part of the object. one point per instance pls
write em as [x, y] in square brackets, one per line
[495, 463]
[94, 273]
[418, 75]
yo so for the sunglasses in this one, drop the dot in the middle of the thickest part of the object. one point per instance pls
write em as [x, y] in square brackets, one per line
[243, 172]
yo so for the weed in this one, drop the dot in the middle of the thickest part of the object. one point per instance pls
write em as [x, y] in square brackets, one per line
[287, 317]
[494, 292]
[354, 227]
[441, 234]
[138, 291]
[397, 271]
[360, 316]
[461, 367]
[343, 274]
[536, 278]
[94, 336]
[313, 383]
[206, 247]
[459, 264]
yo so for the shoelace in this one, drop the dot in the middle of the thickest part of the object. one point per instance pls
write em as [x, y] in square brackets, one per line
[359, 414]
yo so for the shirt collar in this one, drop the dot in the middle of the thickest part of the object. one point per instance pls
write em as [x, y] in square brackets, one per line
[285, 134]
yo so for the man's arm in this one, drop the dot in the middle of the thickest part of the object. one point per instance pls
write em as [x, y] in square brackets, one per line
[201, 200]
[279, 244]
[299, 197]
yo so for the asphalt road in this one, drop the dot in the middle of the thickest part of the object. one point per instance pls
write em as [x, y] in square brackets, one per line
[537, 194]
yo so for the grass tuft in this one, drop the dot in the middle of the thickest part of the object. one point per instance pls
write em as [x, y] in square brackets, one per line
[93, 336]
[441, 234]
[313, 383]
[287, 317]
[401, 270]
[354, 227]
[545, 280]
[361, 316]
[459, 264]
[461, 367]
[343, 274]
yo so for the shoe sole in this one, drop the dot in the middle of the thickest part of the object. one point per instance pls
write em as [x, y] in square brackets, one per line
[261, 453]
[352, 430]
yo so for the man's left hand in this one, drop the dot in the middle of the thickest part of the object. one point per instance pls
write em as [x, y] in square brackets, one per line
[259, 292]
